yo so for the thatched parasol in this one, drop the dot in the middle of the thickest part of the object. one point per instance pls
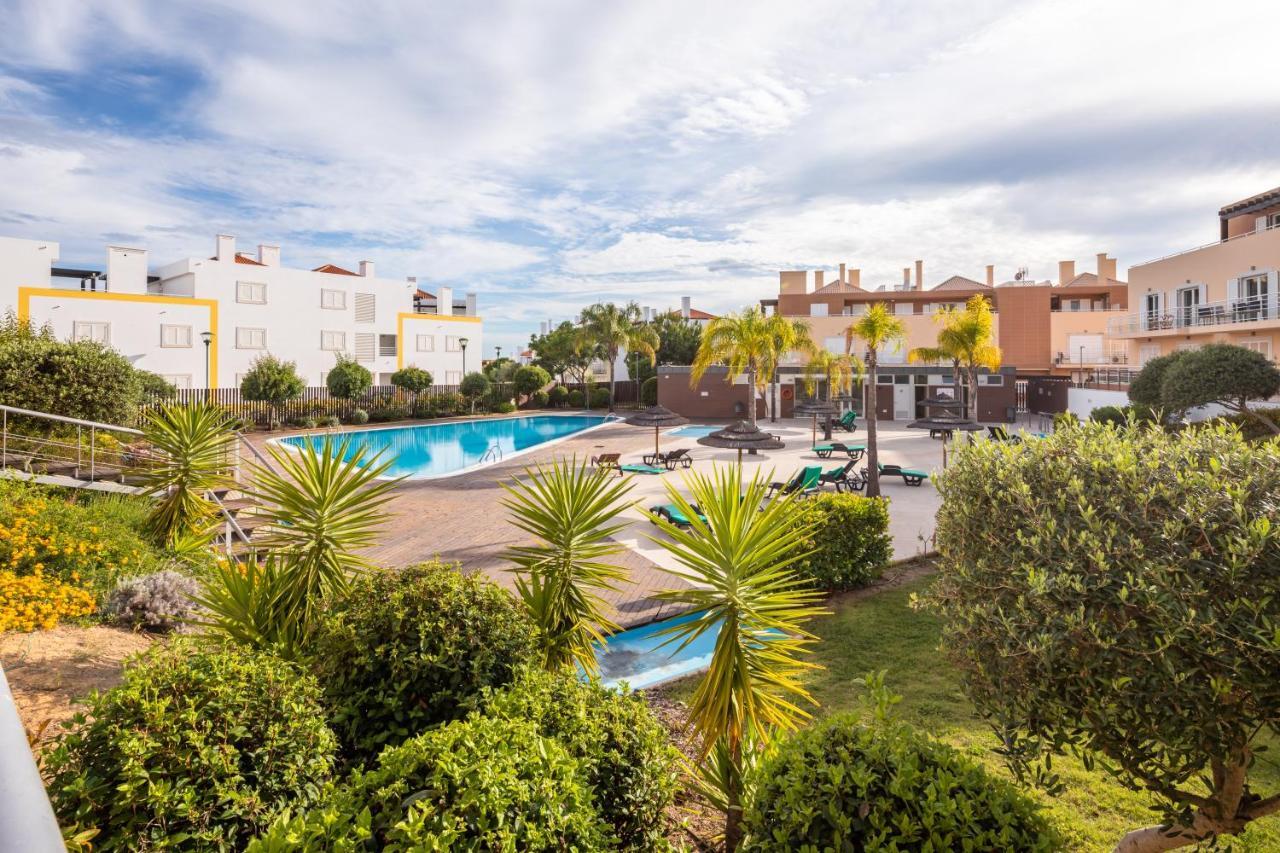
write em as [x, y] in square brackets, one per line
[742, 436]
[814, 408]
[657, 417]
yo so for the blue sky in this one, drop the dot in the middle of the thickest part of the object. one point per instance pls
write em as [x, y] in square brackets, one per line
[551, 154]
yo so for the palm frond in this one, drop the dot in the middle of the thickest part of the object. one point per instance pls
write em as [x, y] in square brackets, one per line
[191, 445]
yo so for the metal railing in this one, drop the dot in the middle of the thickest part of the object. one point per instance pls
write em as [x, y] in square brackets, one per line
[1227, 312]
[81, 460]
[27, 822]
[1091, 358]
[1218, 242]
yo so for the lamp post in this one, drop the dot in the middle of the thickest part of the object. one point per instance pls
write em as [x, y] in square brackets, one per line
[497, 353]
[1082, 366]
[207, 337]
[462, 342]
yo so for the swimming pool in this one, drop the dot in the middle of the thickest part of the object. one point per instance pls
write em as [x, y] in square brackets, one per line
[638, 656]
[694, 430]
[426, 451]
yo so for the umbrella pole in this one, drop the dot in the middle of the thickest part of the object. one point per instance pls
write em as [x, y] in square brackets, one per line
[815, 434]
[655, 439]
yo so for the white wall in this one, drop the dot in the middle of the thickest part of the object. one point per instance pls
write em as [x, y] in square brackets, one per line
[1082, 401]
[24, 263]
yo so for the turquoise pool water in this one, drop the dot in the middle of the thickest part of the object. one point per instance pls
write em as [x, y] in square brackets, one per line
[638, 656]
[695, 430]
[437, 450]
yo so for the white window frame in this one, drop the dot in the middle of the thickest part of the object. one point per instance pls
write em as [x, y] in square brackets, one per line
[429, 340]
[1146, 352]
[818, 309]
[333, 341]
[165, 328]
[333, 300]
[244, 291]
[181, 381]
[991, 379]
[453, 377]
[91, 330]
[451, 345]
[242, 335]
[1262, 345]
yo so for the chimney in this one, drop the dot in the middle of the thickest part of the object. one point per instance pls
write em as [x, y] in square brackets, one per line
[817, 279]
[685, 306]
[855, 277]
[1106, 268]
[842, 278]
[906, 278]
[268, 255]
[1066, 272]
[444, 301]
[226, 248]
[919, 275]
[793, 282]
[991, 275]
[126, 270]
[542, 328]
[471, 304]
[366, 269]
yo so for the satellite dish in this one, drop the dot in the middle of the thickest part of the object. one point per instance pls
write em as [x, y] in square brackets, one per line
[1021, 274]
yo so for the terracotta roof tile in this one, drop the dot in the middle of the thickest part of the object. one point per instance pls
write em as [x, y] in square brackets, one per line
[959, 282]
[333, 269]
[422, 294]
[695, 314]
[839, 287]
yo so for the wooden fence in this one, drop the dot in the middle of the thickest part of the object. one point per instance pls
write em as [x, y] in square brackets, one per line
[315, 402]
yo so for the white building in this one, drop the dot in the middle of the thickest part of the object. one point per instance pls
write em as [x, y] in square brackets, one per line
[248, 305]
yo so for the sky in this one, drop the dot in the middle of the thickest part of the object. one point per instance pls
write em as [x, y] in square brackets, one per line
[552, 154]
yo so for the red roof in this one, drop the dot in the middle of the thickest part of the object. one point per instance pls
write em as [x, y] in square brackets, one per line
[333, 269]
[422, 294]
[243, 259]
[695, 314]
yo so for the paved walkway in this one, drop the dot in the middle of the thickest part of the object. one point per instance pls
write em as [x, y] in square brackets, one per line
[459, 519]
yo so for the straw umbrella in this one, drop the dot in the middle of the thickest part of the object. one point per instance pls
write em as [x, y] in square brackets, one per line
[742, 436]
[814, 408]
[658, 417]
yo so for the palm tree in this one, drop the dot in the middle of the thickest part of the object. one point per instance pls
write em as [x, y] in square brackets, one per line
[947, 348]
[973, 341]
[788, 335]
[192, 445]
[738, 564]
[568, 508]
[614, 329]
[744, 342]
[839, 371]
[877, 328]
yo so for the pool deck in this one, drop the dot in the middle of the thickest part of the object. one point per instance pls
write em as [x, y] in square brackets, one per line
[459, 519]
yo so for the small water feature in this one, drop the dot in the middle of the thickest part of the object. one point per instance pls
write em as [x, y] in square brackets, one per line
[638, 656]
[694, 430]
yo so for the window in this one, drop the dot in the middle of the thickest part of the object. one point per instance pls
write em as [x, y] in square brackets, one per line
[335, 299]
[251, 338]
[366, 345]
[251, 292]
[366, 308]
[175, 336]
[426, 343]
[451, 345]
[453, 377]
[334, 341]
[178, 380]
[1073, 305]
[1253, 287]
[92, 331]
[386, 345]
[902, 379]
[834, 343]
[992, 379]
[884, 379]
[818, 309]
[1259, 345]
[903, 308]
[1146, 352]
[920, 379]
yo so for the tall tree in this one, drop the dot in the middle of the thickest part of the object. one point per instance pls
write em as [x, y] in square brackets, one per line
[945, 350]
[561, 353]
[615, 329]
[743, 342]
[678, 338]
[972, 336]
[839, 372]
[786, 336]
[1222, 374]
[876, 329]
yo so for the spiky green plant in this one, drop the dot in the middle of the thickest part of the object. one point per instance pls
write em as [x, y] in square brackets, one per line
[569, 509]
[324, 504]
[738, 564]
[191, 446]
[250, 605]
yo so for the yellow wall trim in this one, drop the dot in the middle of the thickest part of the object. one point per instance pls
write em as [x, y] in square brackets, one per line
[414, 315]
[24, 309]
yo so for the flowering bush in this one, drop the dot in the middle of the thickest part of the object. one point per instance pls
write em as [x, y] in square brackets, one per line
[35, 602]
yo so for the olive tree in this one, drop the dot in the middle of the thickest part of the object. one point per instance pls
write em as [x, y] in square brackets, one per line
[529, 378]
[348, 379]
[274, 381]
[1225, 375]
[473, 386]
[1112, 592]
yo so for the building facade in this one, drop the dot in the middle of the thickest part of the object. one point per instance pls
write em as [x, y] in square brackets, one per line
[244, 305]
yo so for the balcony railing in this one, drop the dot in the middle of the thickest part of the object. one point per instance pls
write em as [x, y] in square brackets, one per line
[1226, 312]
[1091, 357]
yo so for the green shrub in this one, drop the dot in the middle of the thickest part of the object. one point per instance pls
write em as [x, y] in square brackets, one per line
[388, 410]
[330, 421]
[447, 405]
[76, 379]
[412, 380]
[1249, 426]
[539, 399]
[474, 386]
[850, 540]
[197, 749]
[348, 379]
[155, 388]
[575, 399]
[559, 395]
[157, 602]
[1146, 388]
[1065, 420]
[626, 757]
[273, 381]
[649, 392]
[415, 647]
[599, 398]
[359, 416]
[842, 785]
[471, 785]
[1120, 415]
[529, 378]
[505, 407]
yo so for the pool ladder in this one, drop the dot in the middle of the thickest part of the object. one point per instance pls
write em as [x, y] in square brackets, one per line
[494, 453]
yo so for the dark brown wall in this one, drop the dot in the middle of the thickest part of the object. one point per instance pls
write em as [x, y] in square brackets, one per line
[1023, 330]
[1047, 395]
[994, 401]
[712, 398]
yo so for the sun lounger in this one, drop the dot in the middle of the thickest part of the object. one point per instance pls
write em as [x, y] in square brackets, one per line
[679, 456]
[848, 422]
[640, 469]
[805, 482]
[836, 475]
[856, 481]
[854, 451]
[999, 433]
[672, 514]
[607, 460]
[910, 476]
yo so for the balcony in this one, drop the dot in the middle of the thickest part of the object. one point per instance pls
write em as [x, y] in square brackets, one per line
[1090, 358]
[1195, 317]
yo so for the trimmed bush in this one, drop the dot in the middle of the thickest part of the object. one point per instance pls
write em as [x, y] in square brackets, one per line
[155, 388]
[388, 410]
[575, 399]
[447, 405]
[850, 540]
[529, 378]
[505, 407]
[626, 757]
[273, 381]
[649, 392]
[359, 416]
[599, 398]
[842, 785]
[539, 399]
[559, 395]
[471, 785]
[157, 602]
[348, 379]
[411, 648]
[197, 749]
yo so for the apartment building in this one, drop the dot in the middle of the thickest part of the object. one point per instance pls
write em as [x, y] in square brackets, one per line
[1222, 292]
[207, 318]
[1043, 328]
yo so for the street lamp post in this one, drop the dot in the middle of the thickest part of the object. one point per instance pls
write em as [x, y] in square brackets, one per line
[207, 337]
[462, 342]
[497, 353]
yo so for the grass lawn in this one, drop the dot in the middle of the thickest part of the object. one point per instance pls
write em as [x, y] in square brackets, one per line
[883, 632]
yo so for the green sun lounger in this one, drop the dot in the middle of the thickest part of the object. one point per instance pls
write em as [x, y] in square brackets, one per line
[910, 476]
[672, 513]
[855, 451]
[641, 469]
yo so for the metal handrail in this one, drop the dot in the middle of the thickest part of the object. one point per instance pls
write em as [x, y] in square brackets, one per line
[257, 454]
[66, 420]
[493, 451]
[27, 821]
[1205, 246]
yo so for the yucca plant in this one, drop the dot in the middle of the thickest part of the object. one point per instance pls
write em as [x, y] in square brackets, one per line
[569, 509]
[250, 604]
[323, 505]
[738, 564]
[191, 445]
